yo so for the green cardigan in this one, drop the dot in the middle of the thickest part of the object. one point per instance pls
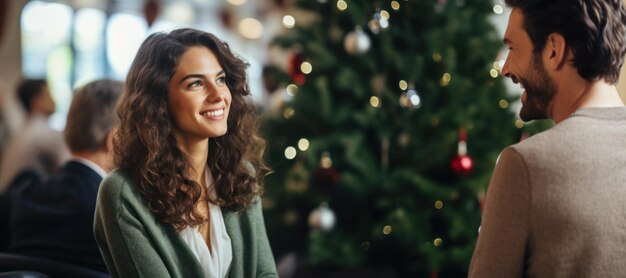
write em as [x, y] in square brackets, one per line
[134, 243]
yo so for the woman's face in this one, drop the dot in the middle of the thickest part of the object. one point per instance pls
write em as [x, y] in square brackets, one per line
[198, 98]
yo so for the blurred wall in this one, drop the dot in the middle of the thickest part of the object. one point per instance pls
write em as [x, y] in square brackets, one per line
[10, 63]
[11, 57]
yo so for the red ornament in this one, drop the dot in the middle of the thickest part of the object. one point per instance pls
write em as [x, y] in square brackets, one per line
[226, 17]
[462, 164]
[282, 4]
[295, 72]
[325, 179]
[151, 10]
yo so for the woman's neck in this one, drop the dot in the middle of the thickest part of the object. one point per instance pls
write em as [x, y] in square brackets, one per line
[197, 152]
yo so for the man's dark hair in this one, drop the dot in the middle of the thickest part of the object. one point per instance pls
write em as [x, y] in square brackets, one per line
[28, 90]
[594, 29]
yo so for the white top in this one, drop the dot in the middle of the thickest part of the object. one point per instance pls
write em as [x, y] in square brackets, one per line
[216, 262]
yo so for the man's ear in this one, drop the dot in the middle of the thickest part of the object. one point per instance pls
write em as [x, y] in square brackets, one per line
[556, 51]
[107, 145]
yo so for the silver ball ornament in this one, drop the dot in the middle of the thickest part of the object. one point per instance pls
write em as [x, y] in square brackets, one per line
[357, 41]
[322, 218]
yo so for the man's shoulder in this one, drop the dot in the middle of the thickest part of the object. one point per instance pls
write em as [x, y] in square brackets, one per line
[550, 147]
[541, 142]
[78, 171]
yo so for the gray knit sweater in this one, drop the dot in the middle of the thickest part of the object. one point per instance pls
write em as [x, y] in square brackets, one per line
[556, 203]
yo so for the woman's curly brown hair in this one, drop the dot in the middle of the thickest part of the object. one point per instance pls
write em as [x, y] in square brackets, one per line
[146, 149]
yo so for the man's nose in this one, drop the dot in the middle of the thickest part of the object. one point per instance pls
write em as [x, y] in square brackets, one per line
[506, 69]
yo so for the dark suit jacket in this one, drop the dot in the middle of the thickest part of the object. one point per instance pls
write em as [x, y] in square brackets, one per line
[54, 218]
[26, 176]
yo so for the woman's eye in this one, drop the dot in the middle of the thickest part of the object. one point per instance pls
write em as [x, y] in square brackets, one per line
[220, 80]
[195, 84]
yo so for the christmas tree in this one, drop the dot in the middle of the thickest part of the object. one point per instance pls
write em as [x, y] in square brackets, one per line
[395, 116]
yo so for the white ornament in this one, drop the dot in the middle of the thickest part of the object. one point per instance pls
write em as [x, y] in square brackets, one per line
[377, 23]
[322, 218]
[410, 99]
[357, 42]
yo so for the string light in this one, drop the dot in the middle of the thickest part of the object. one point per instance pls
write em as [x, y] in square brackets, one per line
[437, 57]
[437, 242]
[289, 21]
[303, 144]
[438, 204]
[375, 101]
[290, 152]
[387, 230]
[395, 5]
[497, 9]
[306, 67]
[292, 89]
[493, 73]
[500, 64]
[496, 65]
[503, 104]
[326, 162]
[289, 112]
[384, 14]
[342, 5]
[403, 85]
[445, 79]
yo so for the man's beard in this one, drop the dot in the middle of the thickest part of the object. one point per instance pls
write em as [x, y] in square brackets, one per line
[540, 90]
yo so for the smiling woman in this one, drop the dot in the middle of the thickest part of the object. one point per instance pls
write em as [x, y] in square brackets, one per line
[198, 97]
[185, 200]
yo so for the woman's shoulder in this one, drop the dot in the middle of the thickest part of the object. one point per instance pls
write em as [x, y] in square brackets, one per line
[254, 208]
[118, 186]
[115, 181]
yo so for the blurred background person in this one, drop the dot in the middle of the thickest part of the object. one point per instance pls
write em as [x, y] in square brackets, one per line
[36, 146]
[64, 204]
